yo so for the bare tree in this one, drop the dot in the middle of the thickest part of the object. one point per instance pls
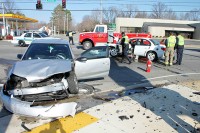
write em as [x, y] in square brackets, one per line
[130, 11]
[194, 15]
[9, 6]
[141, 15]
[110, 14]
[87, 24]
[170, 14]
[158, 10]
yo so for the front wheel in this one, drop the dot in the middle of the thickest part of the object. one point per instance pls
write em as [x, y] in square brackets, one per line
[152, 56]
[113, 52]
[73, 83]
[21, 43]
[87, 45]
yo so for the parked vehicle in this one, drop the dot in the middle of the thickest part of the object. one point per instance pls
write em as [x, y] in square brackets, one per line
[49, 71]
[102, 36]
[145, 47]
[28, 37]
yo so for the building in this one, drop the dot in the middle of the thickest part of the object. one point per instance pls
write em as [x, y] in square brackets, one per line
[159, 27]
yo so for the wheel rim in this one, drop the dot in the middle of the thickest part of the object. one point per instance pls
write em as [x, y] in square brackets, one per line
[87, 45]
[113, 52]
[151, 56]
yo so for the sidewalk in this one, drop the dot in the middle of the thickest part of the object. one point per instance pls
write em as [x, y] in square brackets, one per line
[170, 108]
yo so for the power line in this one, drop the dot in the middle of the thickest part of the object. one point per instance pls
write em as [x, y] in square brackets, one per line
[94, 10]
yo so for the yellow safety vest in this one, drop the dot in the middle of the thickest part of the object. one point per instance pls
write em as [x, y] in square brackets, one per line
[180, 40]
[70, 34]
[171, 41]
[126, 41]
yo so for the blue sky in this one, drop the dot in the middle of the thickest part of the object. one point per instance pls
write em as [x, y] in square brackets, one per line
[142, 5]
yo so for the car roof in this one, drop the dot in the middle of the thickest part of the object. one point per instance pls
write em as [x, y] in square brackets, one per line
[50, 41]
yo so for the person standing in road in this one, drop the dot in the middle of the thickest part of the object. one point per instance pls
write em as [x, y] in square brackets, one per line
[169, 53]
[71, 37]
[125, 47]
[179, 48]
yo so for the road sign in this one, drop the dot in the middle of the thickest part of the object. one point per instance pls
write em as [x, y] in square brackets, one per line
[112, 26]
[51, 0]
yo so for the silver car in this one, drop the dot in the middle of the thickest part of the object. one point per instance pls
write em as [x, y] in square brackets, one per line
[48, 70]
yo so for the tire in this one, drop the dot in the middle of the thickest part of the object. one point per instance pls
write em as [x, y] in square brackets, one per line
[152, 56]
[113, 52]
[21, 43]
[87, 45]
[73, 83]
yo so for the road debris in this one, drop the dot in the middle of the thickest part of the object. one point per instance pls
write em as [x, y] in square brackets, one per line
[123, 117]
[26, 128]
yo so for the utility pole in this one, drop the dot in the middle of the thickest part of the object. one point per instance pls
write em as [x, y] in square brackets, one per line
[64, 22]
[67, 23]
[4, 25]
[101, 17]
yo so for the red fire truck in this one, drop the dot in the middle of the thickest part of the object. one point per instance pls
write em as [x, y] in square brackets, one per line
[102, 36]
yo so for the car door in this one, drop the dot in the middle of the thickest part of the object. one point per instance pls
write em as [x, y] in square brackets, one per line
[142, 47]
[93, 63]
[28, 38]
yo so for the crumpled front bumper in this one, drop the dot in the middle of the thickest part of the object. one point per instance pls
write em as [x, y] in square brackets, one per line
[24, 108]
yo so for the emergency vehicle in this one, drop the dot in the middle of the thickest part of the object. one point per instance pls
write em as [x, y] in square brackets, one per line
[101, 35]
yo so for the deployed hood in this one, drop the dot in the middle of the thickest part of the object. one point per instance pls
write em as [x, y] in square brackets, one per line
[37, 70]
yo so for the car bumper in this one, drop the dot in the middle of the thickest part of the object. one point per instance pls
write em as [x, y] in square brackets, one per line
[15, 42]
[24, 108]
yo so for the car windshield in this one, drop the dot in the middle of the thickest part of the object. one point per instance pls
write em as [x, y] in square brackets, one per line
[42, 34]
[155, 42]
[48, 51]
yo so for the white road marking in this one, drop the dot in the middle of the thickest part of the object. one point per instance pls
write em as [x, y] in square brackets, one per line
[170, 76]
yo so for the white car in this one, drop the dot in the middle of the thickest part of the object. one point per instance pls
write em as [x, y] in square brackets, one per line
[48, 70]
[27, 38]
[145, 47]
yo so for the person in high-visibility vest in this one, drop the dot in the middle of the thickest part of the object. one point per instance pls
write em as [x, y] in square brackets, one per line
[169, 53]
[71, 37]
[179, 46]
[125, 47]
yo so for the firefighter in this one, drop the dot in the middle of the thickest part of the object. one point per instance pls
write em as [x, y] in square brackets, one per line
[71, 37]
[169, 53]
[125, 47]
[179, 48]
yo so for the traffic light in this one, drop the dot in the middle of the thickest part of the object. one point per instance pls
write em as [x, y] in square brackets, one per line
[63, 3]
[39, 4]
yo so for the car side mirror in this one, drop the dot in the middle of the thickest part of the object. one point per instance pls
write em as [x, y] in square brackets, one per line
[19, 56]
[82, 59]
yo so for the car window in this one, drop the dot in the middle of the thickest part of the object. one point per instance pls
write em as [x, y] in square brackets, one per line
[99, 29]
[35, 35]
[133, 41]
[96, 52]
[27, 35]
[42, 34]
[155, 42]
[146, 42]
[48, 51]
[143, 42]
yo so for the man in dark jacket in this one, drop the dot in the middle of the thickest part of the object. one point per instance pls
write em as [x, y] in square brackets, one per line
[125, 47]
[179, 48]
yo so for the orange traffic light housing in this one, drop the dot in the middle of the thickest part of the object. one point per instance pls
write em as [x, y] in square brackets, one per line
[63, 3]
[39, 4]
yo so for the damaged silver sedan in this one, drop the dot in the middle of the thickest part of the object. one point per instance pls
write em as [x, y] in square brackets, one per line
[49, 71]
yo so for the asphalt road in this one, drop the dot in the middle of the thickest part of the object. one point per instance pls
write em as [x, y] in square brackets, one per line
[121, 74]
